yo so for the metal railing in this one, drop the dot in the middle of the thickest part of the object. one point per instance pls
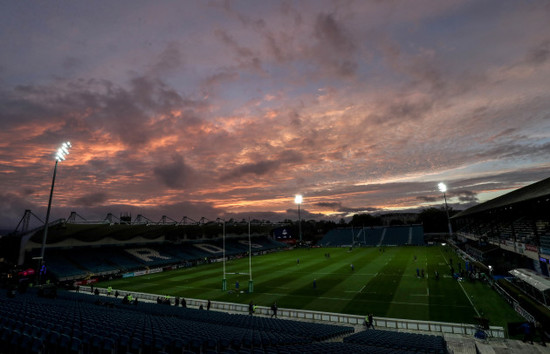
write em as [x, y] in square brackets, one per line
[433, 327]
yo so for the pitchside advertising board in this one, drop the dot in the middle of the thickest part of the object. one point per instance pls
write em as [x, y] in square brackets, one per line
[283, 234]
[142, 272]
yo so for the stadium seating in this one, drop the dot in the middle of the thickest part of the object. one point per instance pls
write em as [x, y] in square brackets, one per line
[80, 323]
[522, 229]
[78, 262]
[94, 262]
[340, 237]
[421, 343]
[374, 236]
[61, 266]
[371, 236]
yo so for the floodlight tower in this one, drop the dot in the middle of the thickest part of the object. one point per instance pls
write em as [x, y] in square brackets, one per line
[59, 156]
[250, 281]
[298, 200]
[443, 189]
[224, 280]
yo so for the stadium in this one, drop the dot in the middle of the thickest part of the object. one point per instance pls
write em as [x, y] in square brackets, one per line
[253, 287]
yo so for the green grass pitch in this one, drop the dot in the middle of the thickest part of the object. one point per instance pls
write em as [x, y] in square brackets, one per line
[382, 283]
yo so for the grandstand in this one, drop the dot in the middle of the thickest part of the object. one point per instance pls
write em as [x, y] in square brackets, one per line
[517, 222]
[78, 262]
[511, 233]
[376, 236]
[75, 323]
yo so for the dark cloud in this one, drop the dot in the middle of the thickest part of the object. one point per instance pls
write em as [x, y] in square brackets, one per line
[91, 107]
[539, 54]
[275, 48]
[425, 71]
[170, 59]
[466, 196]
[408, 110]
[12, 209]
[91, 199]
[304, 214]
[282, 160]
[335, 50]
[349, 210]
[246, 57]
[331, 33]
[175, 174]
[333, 205]
[429, 199]
[219, 79]
[338, 207]
[27, 191]
[71, 63]
[257, 168]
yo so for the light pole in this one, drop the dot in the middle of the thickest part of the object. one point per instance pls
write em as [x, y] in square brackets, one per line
[224, 280]
[443, 188]
[298, 200]
[59, 156]
[250, 282]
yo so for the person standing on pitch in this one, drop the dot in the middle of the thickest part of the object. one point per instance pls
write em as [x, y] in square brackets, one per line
[370, 322]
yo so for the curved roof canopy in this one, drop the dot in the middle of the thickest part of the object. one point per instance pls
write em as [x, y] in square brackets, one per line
[533, 191]
[530, 277]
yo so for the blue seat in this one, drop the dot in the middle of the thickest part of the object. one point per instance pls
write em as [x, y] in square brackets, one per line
[96, 343]
[25, 343]
[14, 340]
[37, 346]
[147, 343]
[76, 346]
[109, 346]
[223, 344]
[236, 343]
[195, 345]
[210, 344]
[5, 335]
[123, 342]
[64, 343]
[135, 346]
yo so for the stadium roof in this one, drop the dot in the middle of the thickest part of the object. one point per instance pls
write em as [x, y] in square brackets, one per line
[532, 191]
[530, 277]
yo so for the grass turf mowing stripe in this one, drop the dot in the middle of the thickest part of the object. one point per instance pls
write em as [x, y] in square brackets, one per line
[382, 283]
[465, 293]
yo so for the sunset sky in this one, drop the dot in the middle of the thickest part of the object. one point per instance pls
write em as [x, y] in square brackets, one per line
[230, 108]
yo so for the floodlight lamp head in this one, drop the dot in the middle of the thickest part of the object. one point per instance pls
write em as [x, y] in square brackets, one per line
[298, 199]
[63, 151]
[442, 187]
